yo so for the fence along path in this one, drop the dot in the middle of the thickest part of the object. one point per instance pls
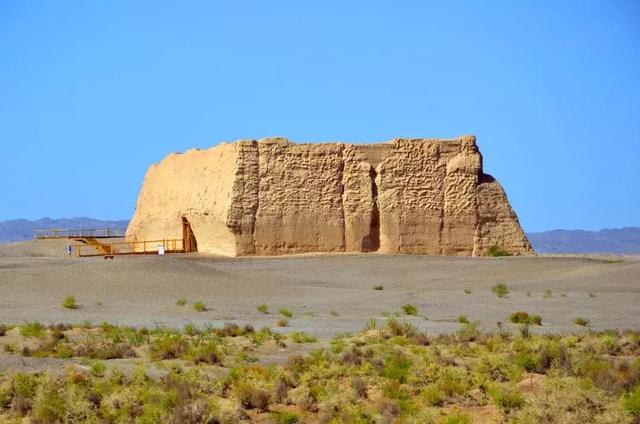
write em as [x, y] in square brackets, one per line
[91, 247]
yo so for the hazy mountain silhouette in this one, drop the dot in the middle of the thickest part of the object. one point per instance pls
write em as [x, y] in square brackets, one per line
[22, 229]
[617, 240]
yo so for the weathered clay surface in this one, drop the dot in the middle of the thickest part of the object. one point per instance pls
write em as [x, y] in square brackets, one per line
[272, 196]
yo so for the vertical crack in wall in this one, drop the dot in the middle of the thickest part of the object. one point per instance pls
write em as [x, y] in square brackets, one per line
[372, 241]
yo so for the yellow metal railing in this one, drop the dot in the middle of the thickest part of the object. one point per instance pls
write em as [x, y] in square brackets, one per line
[79, 232]
[128, 248]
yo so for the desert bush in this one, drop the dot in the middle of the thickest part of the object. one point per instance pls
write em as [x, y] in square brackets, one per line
[199, 306]
[252, 397]
[432, 395]
[206, 352]
[97, 369]
[522, 317]
[410, 309]
[3, 330]
[284, 417]
[581, 321]
[506, 398]
[181, 302]
[300, 337]
[397, 366]
[547, 294]
[468, 331]
[467, 291]
[462, 319]
[500, 290]
[496, 251]
[168, 346]
[378, 287]
[400, 328]
[263, 308]
[281, 322]
[631, 401]
[70, 302]
[457, 418]
[285, 312]
[32, 329]
[333, 313]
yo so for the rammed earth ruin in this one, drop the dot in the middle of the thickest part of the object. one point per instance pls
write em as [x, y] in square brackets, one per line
[274, 197]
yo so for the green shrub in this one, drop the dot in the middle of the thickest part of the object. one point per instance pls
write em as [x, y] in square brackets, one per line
[333, 313]
[467, 291]
[200, 306]
[547, 294]
[432, 395]
[300, 337]
[252, 397]
[581, 321]
[462, 319]
[506, 398]
[495, 251]
[457, 418]
[519, 317]
[500, 290]
[535, 319]
[378, 287]
[631, 401]
[181, 302]
[284, 417]
[70, 302]
[397, 366]
[263, 308]
[97, 369]
[32, 329]
[285, 312]
[410, 309]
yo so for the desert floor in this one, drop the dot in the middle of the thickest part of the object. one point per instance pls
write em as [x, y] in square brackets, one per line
[327, 294]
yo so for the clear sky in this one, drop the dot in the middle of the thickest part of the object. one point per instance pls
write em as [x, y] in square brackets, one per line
[93, 92]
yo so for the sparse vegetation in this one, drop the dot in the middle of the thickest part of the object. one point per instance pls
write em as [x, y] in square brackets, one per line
[522, 317]
[378, 287]
[70, 302]
[32, 329]
[181, 302]
[410, 309]
[333, 313]
[467, 291]
[263, 308]
[392, 370]
[500, 290]
[581, 321]
[547, 294]
[199, 306]
[300, 337]
[496, 251]
[285, 312]
[591, 294]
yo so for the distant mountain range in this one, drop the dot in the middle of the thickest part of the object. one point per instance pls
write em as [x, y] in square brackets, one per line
[619, 240]
[22, 229]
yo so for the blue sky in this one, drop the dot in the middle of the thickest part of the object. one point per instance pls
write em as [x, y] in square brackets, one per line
[93, 92]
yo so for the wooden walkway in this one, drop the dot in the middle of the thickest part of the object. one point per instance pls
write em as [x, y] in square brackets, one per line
[89, 246]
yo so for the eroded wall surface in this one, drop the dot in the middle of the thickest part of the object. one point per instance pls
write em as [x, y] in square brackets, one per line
[272, 196]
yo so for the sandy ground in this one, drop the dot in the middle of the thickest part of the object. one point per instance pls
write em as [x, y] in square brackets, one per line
[328, 294]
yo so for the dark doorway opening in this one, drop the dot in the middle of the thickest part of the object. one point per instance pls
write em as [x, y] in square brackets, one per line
[188, 238]
[371, 242]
